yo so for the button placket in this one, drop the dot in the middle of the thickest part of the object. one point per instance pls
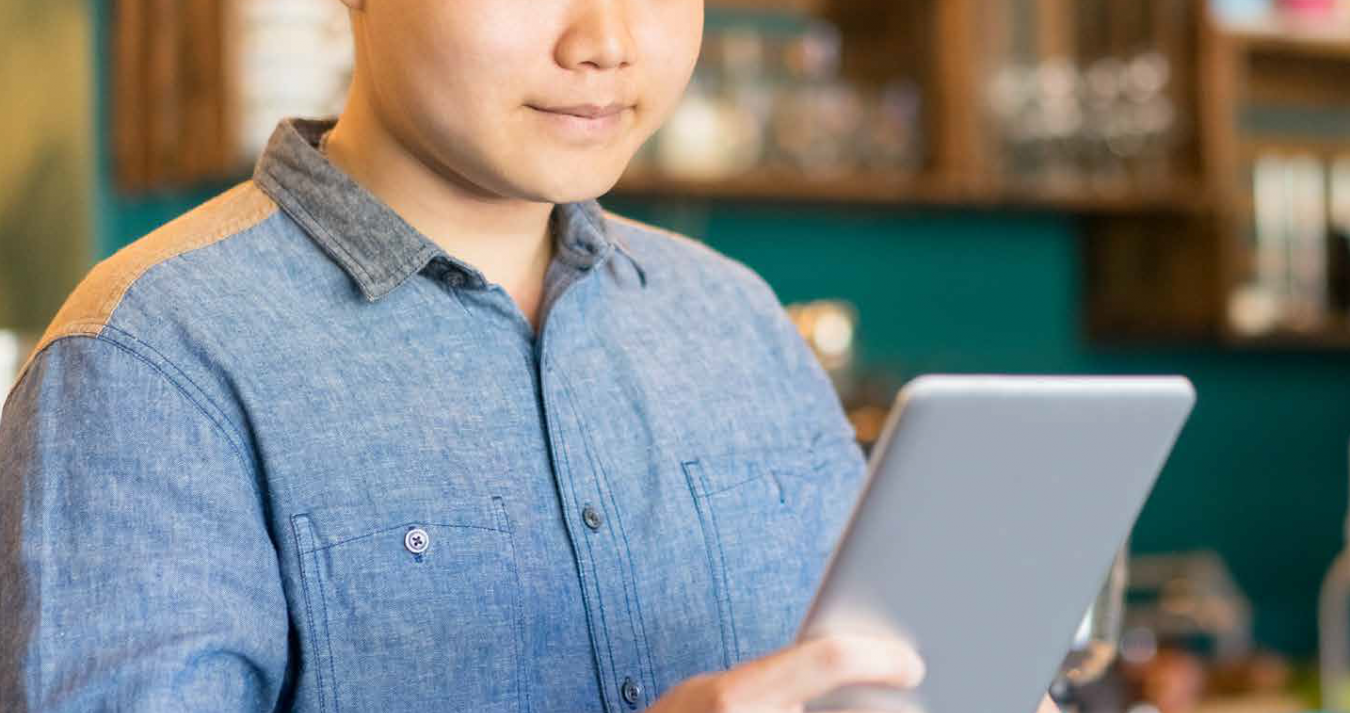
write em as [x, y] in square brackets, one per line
[602, 557]
[592, 517]
[632, 692]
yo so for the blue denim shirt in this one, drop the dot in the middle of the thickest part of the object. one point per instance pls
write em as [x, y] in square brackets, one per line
[285, 453]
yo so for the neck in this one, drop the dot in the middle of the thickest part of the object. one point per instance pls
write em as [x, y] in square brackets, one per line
[506, 238]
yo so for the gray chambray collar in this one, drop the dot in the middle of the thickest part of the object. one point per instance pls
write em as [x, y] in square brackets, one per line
[372, 243]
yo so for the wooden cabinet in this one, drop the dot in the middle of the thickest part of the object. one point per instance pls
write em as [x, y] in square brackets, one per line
[953, 48]
[170, 100]
[1167, 234]
[1260, 94]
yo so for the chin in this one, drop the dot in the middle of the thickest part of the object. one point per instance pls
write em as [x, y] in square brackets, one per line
[571, 187]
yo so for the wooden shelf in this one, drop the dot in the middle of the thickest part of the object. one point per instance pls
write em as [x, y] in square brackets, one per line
[919, 190]
[1162, 258]
[805, 6]
[1308, 45]
[1253, 146]
[1333, 337]
[1180, 197]
[787, 186]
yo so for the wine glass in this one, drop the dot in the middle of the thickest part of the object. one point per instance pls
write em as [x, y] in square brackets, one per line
[1098, 637]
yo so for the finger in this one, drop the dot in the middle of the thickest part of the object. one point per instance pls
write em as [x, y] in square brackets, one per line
[906, 708]
[808, 670]
[1048, 706]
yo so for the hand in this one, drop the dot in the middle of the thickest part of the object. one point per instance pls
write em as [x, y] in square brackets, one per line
[1048, 706]
[784, 681]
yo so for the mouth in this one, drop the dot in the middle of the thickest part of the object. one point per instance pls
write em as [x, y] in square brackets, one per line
[584, 124]
[585, 111]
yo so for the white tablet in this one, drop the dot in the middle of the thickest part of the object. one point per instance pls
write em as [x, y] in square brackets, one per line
[993, 508]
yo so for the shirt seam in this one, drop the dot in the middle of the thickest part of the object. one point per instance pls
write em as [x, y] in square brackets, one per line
[219, 418]
[400, 526]
[231, 227]
[220, 429]
[301, 537]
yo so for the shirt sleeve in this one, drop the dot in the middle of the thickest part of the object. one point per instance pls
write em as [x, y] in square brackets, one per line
[838, 455]
[136, 568]
[834, 439]
[840, 465]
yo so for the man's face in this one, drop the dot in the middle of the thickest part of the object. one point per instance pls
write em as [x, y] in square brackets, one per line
[484, 91]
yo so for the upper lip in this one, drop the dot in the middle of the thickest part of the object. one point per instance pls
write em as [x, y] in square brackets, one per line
[587, 111]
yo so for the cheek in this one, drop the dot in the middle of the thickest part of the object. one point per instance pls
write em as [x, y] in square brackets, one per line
[464, 56]
[669, 43]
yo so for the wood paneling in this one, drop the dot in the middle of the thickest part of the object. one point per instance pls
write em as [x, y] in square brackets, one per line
[169, 100]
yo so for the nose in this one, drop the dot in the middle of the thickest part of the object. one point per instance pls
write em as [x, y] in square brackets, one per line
[597, 37]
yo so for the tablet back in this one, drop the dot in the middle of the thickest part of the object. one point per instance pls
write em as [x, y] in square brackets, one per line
[993, 509]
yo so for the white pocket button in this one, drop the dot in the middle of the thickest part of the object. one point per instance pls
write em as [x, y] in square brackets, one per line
[416, 540]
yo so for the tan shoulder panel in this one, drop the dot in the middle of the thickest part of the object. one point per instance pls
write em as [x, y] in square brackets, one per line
[89, 307]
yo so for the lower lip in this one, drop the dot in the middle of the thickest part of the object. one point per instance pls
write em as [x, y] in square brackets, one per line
[581, 128]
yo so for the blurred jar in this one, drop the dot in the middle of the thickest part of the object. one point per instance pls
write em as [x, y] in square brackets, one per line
[892, 132]
[745, 81]
[818, 116]
[291, 57]
[829, 327]
[708, 138]
[717, 131]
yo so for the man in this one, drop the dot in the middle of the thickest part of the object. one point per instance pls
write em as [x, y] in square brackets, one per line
[408, 422]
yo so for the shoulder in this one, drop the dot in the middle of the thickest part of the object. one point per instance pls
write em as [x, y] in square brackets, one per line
[706, 292]
[708, 295]
[90, 308]
[693, 265]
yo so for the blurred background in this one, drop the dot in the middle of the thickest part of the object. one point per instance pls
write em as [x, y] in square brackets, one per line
[1022, 186]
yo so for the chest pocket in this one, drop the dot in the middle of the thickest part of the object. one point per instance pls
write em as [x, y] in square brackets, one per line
[417, 613]
[769, 519]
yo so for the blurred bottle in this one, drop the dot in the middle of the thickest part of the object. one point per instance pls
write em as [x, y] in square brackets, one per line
[830, 328]
[707, 138]
[1339, 250]
[291, 58]
[14, 348]
[818, 117]
[1097, 640]
[1098, 637]
[1189, 601]
[1333, 619]
[891, 136]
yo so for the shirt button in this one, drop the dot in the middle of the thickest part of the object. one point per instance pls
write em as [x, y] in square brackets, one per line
[416, 540]
[592, 517]
[632, 691]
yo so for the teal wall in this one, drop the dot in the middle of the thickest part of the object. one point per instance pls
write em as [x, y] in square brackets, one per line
[1260, 474]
